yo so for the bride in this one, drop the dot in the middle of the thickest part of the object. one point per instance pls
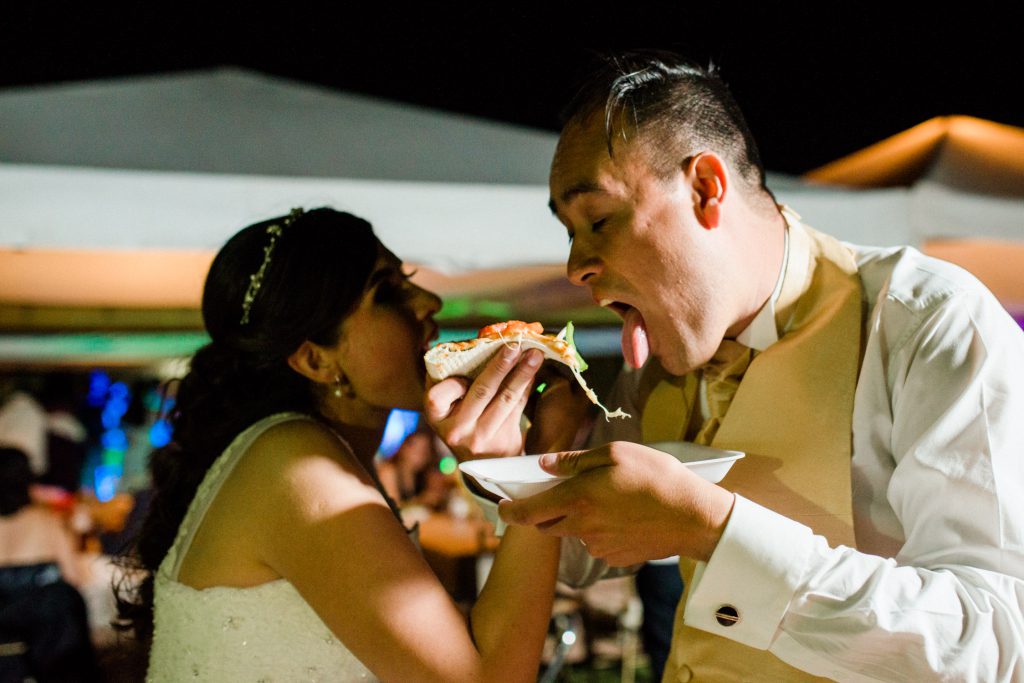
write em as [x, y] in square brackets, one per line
[270, 551]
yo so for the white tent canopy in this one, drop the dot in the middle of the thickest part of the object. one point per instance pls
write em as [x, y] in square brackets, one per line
[964, 183]
[181, 161]
[965, 177]
[174, 164]
[450, 226]
[108, 190]
[241, 122]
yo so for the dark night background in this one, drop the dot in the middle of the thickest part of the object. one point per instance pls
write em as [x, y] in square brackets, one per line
[817, 81]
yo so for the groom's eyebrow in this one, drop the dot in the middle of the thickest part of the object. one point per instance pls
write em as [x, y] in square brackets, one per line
[572, 192]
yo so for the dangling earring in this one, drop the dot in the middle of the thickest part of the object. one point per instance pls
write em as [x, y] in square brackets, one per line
[343, 388]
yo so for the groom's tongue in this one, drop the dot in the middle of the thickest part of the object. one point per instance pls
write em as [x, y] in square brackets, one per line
[635, 348]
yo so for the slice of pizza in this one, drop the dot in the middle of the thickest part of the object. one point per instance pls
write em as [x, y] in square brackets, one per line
[468, 358]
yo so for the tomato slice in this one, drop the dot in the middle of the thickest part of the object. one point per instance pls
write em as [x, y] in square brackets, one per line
[510, 328]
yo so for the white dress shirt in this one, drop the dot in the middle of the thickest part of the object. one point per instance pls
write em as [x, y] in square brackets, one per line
[935, 587]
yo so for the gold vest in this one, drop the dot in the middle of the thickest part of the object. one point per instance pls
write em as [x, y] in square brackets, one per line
[792, 416]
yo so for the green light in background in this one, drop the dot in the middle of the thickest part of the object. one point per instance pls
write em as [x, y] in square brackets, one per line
[153, 401]
[460, 307]
[541, 387]
[449, 334]
[494, 309]
[112, 456]
[99, 348]
[454, 307]
[447, 465]
[95, 343]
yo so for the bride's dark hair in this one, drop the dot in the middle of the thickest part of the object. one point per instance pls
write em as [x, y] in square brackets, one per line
[314, 276]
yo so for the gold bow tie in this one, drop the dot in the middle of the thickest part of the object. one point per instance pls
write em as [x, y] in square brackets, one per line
[722, 375]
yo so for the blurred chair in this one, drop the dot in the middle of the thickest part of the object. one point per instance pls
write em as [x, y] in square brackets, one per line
[597, 626]
[102, 523]
[564, 643]
[44, 628]
[13, 659]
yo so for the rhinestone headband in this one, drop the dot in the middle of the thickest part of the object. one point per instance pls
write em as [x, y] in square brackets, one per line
[256, 279]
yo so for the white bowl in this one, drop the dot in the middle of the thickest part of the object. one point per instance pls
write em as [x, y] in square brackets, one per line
[521, 477]
[510, 477]
[707, 462]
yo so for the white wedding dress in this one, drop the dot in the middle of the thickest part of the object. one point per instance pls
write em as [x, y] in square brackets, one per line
[263, 633]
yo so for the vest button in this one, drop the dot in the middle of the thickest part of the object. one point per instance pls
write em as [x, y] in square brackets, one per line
[685, 674]
[727, 615]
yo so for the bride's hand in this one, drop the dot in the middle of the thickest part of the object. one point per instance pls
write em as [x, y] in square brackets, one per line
[482, 418]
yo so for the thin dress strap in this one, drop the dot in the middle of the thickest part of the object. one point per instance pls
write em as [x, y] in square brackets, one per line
[215, 477]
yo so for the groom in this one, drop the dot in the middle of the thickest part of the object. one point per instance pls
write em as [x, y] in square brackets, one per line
[876, 527]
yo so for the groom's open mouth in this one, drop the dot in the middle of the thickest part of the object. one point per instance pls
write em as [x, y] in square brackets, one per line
[636, 346]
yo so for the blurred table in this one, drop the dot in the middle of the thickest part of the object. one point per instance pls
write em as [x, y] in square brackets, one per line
[457, 548]
[457, 537]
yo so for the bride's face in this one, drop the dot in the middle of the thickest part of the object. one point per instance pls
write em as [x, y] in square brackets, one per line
[383, 340]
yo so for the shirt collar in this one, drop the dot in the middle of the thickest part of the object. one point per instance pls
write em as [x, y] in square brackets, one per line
[762, 331]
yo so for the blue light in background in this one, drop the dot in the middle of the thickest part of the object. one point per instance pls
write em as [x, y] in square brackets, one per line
[99, 385]
[110, 418]
[401, 423]
[117, 404]
[107, 478]
[114, 439]
[160, 433]
[113, 398]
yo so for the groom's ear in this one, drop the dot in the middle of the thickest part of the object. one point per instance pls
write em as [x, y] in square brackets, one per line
[709, 179]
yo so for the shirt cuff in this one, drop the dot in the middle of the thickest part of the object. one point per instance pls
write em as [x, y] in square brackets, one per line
[744, 589]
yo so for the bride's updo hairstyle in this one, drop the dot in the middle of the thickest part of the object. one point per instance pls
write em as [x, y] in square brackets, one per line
[273, 286]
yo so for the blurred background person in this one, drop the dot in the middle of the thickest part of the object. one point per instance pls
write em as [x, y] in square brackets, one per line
[413, 474]
[66, 436]
[31, 533]
[23, 426]
[43, 618]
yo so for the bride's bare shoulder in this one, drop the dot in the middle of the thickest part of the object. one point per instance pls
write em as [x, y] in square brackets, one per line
[305, 457]
[301, 436]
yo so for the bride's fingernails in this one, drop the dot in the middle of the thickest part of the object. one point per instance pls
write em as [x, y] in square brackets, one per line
[534, 358]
